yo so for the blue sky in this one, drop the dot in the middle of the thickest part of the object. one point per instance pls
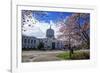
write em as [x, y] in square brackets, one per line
[40, 21]
[51, 16]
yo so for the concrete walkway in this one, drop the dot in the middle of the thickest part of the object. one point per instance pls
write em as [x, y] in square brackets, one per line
[38, 56]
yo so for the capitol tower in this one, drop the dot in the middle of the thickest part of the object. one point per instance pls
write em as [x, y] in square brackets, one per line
[50, 33]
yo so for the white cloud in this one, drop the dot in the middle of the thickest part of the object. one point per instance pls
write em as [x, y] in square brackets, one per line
[38, 29]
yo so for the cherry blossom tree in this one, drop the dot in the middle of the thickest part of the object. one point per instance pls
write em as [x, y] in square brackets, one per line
[75, 30]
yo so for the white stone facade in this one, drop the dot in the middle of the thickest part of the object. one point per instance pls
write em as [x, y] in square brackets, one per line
[50, 42]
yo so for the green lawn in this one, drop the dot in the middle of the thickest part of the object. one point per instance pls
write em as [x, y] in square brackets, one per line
[77, 55]
[64, 55]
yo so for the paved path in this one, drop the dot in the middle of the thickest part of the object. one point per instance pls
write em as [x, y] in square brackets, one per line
[36, 56]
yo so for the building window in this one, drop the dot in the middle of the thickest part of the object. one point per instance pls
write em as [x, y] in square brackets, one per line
[34, 41]
[28, 40]
[31, 41]
[25, 41]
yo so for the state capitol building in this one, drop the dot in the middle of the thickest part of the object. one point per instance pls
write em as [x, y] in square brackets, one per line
[49, 43]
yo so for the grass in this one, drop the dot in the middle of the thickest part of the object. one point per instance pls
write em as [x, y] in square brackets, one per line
[64, 55]
[77, 55]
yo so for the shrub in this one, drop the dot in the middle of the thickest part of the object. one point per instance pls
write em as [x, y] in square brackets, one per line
[81, 55]
[77, 55]
[41, 46]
